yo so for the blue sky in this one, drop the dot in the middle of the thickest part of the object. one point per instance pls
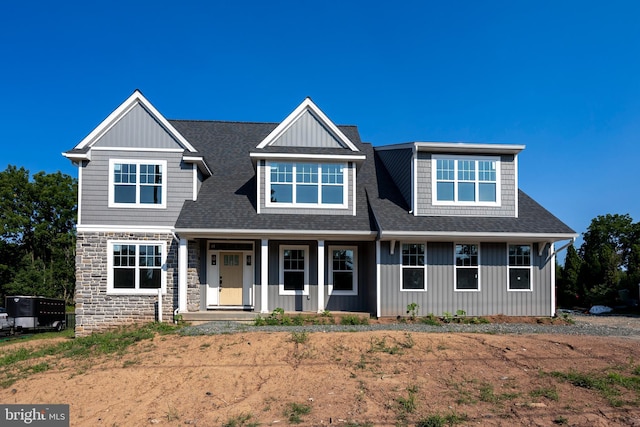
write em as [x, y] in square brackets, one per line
[561, 77]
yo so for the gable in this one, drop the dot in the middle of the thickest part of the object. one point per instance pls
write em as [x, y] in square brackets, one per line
[307, 126]
[139, 129]
[307, 131]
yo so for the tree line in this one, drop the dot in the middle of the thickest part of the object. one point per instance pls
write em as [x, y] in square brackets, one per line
[605, 270]
[37, 239]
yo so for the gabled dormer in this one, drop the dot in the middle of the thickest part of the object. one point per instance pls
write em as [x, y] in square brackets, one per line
[307, 165]
[135, 168]
[455, 179]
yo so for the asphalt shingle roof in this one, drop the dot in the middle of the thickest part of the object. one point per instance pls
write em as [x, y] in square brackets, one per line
[227, 200]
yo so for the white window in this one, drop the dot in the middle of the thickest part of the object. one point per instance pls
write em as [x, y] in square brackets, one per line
[137, 183]
[343, 270]
[136, 267]
[467, 273]
[306, 184]
[414, 273]
[519, 268]
[294, 270]
[465, 180]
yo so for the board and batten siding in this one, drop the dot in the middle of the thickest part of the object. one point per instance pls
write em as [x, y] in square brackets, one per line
[138, 129]
[350, 172]
[492, 299]
[307, 131]
[362, 302]
[508, 192]
[398, 164]
[292, 302]
[95, 190]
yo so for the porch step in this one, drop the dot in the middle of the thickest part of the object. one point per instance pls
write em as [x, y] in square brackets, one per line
[196, 317]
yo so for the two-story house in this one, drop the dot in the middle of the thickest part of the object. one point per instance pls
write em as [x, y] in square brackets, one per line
[300, 215]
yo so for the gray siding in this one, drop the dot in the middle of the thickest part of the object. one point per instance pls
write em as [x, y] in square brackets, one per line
[508, 192]
[363, 302]
[307, 131]
[398, 164]
[349, 171]
[95, 191]
[440, 296]
[366, 280]
[138, 129]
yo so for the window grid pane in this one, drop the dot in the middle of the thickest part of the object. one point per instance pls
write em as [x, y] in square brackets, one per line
[466, 255]
[519, 255]
[413, 254]
[466, 180]
[306, 173]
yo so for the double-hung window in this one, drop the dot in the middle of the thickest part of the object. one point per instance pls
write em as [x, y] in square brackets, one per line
[137, 183]
[135, 267]
[343, 273]
[467, 274]
[294, 270]
[466, 180]
[306, 184]
[519, 267]
[413, 267]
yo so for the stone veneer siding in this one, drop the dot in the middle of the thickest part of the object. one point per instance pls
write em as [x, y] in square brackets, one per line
[96, 311]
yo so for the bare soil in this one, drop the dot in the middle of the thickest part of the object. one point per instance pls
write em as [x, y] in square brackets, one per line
[379, 378]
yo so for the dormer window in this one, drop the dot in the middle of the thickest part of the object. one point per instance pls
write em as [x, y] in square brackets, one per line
[464, 180]
[306, 184]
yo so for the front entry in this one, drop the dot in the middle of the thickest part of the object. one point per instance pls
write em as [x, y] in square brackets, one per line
[231, 278]
[229, 275]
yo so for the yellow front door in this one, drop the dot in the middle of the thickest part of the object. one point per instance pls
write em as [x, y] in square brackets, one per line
[230, 278]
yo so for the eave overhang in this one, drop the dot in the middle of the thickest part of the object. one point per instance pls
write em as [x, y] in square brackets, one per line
[198, 161]
[457, 148]
[192, 233]
[448, 236]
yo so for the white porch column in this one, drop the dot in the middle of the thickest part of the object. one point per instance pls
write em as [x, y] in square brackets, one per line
[320, 276]
[378, 302]
[264, 276]
[183, 256]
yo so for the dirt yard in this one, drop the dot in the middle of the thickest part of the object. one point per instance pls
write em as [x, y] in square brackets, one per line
[381, 378]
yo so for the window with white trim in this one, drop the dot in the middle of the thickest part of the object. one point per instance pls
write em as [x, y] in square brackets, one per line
[414, 272]
[343, 272]
[466, 180]
[137, 183]
[135, 267]
[306, 184]
[467, 273]
[519, 267]
[294, 270]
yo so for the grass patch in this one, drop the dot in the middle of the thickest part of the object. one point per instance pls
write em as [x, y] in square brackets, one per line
[112, 342]
[299, 337]
[549, 393]
[294, 411]
[436, 420]
[242, 420]
[352, 319]
[612, 386]
[487, 394]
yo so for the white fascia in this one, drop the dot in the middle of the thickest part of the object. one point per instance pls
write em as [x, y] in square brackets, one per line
[136, 98]
[301, 156]
[307, 105]
[272, 234]
[473, 236]
[468, 147]
[124, 229]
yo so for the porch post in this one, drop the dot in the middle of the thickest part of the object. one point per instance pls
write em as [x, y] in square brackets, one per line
[378, 287]
[264, 276]
[183, 255]
[320, 276]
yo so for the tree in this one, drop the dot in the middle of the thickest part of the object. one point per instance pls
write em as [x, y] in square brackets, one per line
[570, 293]
[37, 240]
[606, 253]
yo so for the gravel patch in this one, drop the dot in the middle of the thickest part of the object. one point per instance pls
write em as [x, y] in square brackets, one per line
[582, 326]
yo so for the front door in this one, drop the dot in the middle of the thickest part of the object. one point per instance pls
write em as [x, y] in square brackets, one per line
[231, 278]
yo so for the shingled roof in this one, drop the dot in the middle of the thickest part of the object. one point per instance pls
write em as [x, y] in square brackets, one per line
[227, 200]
